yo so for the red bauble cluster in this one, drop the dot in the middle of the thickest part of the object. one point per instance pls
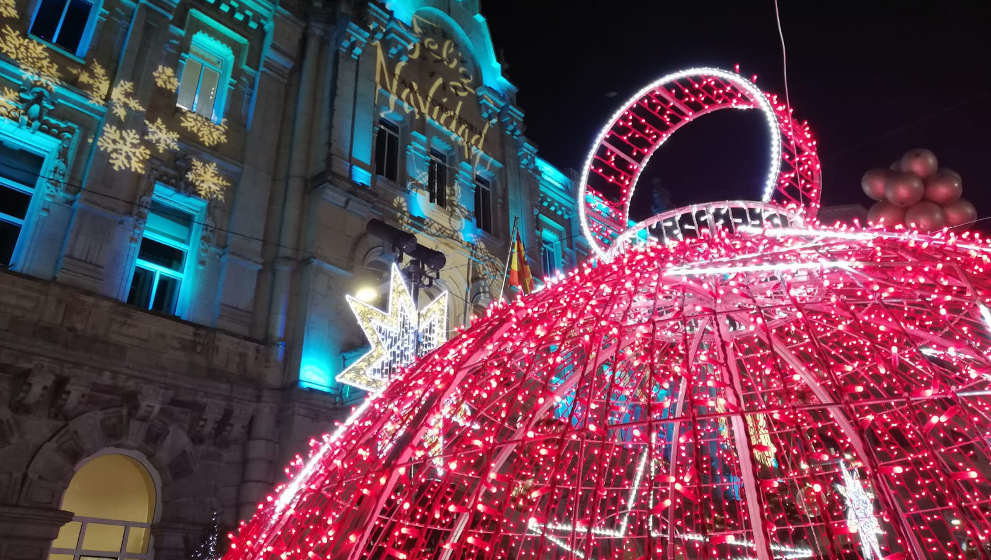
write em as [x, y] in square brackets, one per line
[914, 191]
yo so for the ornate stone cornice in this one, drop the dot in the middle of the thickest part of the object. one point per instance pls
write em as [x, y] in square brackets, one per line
[511, 118]
[527, 154]
[395, 37]
[354, 39]
[490, 103]
[552, 205]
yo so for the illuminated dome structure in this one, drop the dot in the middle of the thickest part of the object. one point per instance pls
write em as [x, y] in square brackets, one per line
[740, 385]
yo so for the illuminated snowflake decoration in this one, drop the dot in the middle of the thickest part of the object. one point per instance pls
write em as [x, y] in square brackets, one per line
[860, 518]
[124, 149]
[30, 55]
[97, 82]
[209, 132]
[207, 179]
[165, 78]
[9, 97]
[8, 9]
[396, 337]
[161, 137]
[121, 100]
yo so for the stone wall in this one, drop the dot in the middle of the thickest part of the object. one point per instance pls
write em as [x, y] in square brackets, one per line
[81, 373]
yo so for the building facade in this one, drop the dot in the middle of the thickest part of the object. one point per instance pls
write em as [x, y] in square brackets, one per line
[184, 189]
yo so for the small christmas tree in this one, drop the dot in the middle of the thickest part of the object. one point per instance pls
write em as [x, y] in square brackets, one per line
[207, 548]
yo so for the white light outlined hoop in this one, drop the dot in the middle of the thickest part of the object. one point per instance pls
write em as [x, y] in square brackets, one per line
[625, 145]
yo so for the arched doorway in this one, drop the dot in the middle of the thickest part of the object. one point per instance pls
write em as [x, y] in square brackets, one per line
[113, 497]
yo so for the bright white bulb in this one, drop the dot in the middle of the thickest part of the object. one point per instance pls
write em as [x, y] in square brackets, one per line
[366, 294]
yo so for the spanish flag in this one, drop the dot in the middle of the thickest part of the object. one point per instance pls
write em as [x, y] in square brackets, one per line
[519, 271]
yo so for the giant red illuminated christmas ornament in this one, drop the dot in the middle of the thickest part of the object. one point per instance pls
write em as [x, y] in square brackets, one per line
[742, 383]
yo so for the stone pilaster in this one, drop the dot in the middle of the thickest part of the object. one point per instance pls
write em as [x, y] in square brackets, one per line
[26, 533]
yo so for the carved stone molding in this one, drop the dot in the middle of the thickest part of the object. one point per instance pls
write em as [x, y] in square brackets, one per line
[490, 103]
[527, 154]
[173, 175]
[30, 108]
[148, 401]
[511, 118]
[35, 387]
[354, 38]
[26, 533]
[70, 396]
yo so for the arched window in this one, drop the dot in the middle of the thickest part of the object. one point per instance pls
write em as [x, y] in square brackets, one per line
[113, 499]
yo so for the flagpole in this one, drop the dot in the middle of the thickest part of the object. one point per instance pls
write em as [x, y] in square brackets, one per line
[471, 259]
[509, 257]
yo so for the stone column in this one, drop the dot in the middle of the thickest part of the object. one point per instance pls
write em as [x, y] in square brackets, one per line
[260, 450]
[26, 533]
[291, 191]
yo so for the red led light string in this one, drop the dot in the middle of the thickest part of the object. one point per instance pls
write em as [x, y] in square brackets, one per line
[751, 393]
[856, 436]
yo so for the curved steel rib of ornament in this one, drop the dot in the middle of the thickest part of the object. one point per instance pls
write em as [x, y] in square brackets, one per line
[625, 145]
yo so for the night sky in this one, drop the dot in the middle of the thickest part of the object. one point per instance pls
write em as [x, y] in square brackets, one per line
[873, 79]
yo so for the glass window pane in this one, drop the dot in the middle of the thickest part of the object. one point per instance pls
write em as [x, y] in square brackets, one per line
[161, 254]
[169, 222]
[380, 136]
[208, 92]
[141, 285]
[166, 294]
[190, 79]
[8, 239]
[20, 166]
[13, 202]
[207, 56]
[46, 19]
[432, 180]
[392, 155]
[137, 540]
[102, 537]
[76, 18]
[59, 557]
[67, 535]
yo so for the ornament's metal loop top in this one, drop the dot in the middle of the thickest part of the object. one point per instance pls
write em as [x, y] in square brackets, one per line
[624, 147]
[701, 219]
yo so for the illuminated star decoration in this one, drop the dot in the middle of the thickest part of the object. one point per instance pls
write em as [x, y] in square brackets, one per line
[860, 516]
[397, 337]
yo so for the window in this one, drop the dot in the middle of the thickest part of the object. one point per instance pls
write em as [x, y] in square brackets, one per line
[550, 252]
[437, 178]
[19, 171]
[162, 257]
[113, 500]
[387, 150]
[201, 83]
[63, 23]
[483, 204]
